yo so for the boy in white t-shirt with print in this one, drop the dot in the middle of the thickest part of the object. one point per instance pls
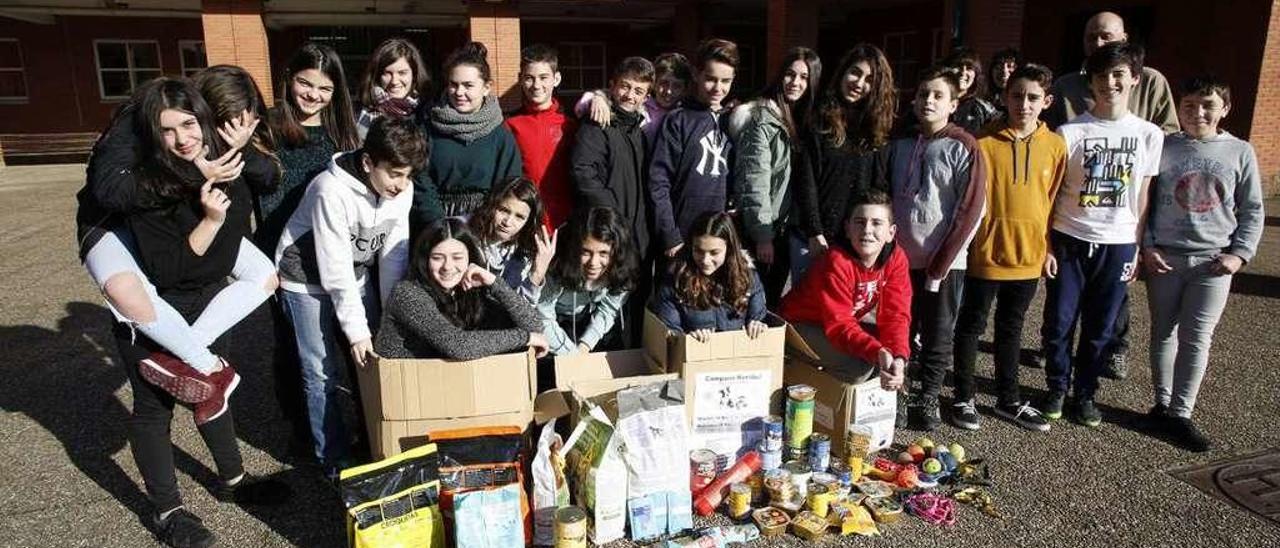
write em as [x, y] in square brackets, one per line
[1097, 221]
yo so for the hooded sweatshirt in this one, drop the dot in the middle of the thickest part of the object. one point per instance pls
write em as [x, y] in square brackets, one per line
[938, 187]
[1207, 198]
[839, 292]
[761, 169]
[557, 301]
[1023, 176]
[545, 139]
[689, 172]
[341, 229]
[609, 171]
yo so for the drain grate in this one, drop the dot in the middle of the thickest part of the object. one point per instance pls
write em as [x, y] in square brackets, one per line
[1250, 482]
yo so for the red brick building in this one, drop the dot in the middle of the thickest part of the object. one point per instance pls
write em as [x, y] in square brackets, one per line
[65, 64]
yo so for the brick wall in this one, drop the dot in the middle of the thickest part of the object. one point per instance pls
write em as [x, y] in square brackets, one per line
[993, 25]
[497, 26]
[789, 23]
[234, 35]
[1265, 134]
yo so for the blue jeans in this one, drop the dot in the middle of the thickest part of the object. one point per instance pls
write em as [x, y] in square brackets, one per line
[322, 354]
[1090, 286]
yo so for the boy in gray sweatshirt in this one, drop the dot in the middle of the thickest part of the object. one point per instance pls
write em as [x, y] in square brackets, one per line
[938, 184]
[1205, 224]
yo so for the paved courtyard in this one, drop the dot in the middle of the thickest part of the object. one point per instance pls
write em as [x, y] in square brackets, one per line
[67, 477]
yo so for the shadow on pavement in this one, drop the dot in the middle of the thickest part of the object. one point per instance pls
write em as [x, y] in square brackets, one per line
[1248, 283]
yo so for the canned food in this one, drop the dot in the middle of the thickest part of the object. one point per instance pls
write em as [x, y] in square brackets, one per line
[756, 482]
[799, 415]
[702, 469]
[571, 527]
[772, 434]
[777, 483]
[809, 526]
[770, 460]
[819, 499]
[739, 501]
[840, 470]
[819, 451]
[771, 521]
[800, 475]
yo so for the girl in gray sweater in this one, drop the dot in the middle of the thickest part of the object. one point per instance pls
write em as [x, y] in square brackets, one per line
[1205, 222]
[451, 308]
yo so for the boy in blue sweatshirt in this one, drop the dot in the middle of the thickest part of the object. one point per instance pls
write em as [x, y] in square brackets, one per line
[938, 184]
[689, 173]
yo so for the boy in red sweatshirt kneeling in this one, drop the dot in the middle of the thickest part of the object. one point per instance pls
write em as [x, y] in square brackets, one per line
[864, 275]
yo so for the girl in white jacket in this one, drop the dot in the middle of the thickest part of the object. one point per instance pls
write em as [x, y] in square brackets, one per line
[354, 217]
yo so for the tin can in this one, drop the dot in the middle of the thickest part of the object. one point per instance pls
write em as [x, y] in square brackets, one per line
[571, 527]
[772, 434]
[770, 460]
[840, 469]
[777, 483]
[800, 416]
[819, 499]
[702, 469]
[819, 452]
[800, 475]
[739, 501]
[756, 482]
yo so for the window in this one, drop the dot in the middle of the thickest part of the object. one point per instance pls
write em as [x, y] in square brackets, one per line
[582, 66]
[13, 74]
[192, 56]
[901, 49]
[124, 65]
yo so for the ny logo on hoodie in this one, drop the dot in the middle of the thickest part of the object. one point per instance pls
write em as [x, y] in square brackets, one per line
[714, 151]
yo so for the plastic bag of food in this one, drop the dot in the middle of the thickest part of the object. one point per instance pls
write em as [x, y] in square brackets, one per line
[550, 489]
[394, 502]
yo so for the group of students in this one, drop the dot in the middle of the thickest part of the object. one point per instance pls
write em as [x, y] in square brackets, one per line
[431, 226]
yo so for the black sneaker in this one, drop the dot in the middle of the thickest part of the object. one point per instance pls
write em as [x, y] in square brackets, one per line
[1051, 407]
[253, 491]
[928, 416]
[1022, 414]
[903, 416]
[182, 529]
[965, 415]
[1117, 367]
[1033, 359]
[1186, 435]
[1086, 412]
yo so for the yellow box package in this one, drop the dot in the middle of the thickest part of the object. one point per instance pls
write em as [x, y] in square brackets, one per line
[395, 502]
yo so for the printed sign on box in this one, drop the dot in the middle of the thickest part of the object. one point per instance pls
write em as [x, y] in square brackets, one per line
[727, 408]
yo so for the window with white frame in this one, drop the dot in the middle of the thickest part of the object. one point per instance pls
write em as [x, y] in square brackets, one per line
[191, 53]
[901, 49]
[582, 66]
[123, 65]
[13, 72]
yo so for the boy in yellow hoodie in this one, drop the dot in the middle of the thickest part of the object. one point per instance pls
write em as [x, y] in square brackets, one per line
[1026, 163]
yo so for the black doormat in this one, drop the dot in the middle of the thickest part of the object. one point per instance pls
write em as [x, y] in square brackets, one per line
[1250, 482]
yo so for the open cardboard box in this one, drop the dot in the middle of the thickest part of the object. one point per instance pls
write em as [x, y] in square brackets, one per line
[595, 376]
[731, 381]
[404, 399]
[840, 401]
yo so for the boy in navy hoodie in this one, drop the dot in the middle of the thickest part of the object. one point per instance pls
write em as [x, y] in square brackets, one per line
[938, 183]
[689, 174]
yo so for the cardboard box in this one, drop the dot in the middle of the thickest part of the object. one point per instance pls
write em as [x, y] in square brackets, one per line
[595, 376]
[731, 381]
[840, 401]
[404, 399]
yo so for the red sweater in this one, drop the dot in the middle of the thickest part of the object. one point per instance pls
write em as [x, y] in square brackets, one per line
[838, 292]
[545, 139]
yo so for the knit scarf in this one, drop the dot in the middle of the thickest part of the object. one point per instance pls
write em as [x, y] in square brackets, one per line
[466, 127]
[625, 120]
[393, 107]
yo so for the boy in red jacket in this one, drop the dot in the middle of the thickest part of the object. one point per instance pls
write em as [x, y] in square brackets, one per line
[543, 133]
[863, 272]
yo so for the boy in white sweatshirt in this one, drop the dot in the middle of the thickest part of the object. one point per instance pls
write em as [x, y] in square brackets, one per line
[353, 217]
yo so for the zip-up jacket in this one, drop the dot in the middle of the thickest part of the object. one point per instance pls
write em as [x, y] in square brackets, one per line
[609, 171]
[683, 318]
[689, 172]
[602, 305]
[1023, 176]
[341, 229]
[839, 292]
[761, 168]
[939, 188]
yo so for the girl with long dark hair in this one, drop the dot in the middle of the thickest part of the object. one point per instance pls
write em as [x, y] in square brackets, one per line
[593, 271]
[840, 156]
[713, 286]
[974, 112]
[764, 131]
[514, 245]
[450, 307]
[395, 80]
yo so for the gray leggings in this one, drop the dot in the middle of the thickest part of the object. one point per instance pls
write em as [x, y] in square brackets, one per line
[1185, 305]
[846, 367]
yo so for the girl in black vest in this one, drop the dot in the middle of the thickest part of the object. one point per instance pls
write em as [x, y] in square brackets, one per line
[515, 245]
